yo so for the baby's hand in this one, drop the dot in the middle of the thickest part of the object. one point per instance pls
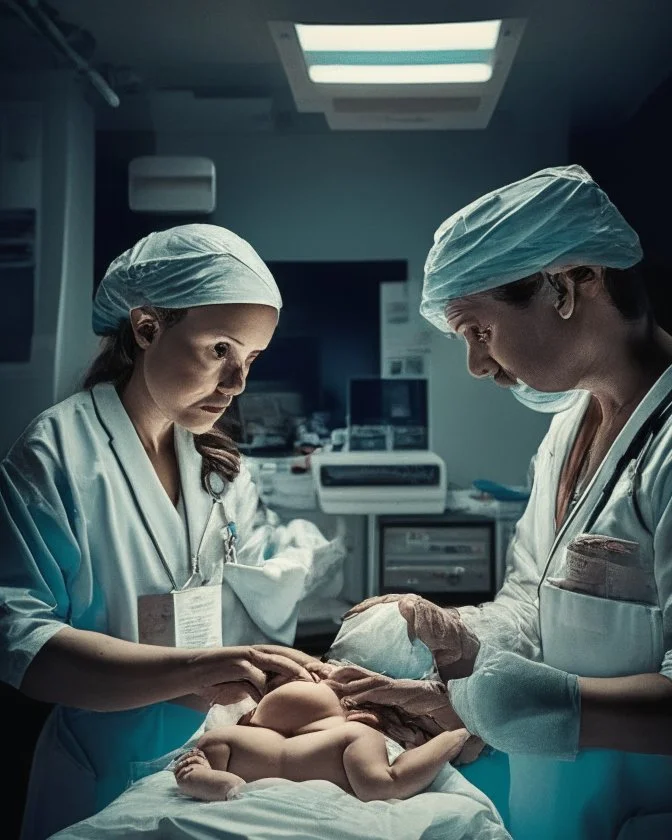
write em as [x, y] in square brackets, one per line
[187, 762]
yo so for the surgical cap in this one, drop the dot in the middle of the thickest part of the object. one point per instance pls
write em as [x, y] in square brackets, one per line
[184, 266]
[556, 218]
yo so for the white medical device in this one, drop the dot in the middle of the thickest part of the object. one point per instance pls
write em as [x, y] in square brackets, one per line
[380, 482]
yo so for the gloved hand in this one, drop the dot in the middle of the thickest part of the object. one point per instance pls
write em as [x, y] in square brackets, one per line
[519, 706]
[441, 629]
[409, 711]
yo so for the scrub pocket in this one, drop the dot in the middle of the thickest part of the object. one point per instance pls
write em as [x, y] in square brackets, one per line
[598, 637]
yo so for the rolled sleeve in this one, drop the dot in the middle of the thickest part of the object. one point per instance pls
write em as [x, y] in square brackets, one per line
[38, 550]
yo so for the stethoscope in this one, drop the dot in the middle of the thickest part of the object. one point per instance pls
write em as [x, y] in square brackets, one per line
[216, 493]
[216, 489]
[637, 451]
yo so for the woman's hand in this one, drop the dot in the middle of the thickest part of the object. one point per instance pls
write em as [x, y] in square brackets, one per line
[358, 685]
[321, 670]
[441, 629]
[371, 602]
[228, 693]
[242, 671]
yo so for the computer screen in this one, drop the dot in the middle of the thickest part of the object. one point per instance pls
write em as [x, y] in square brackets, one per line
[387, 402]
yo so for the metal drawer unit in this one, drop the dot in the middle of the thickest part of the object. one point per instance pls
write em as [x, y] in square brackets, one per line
[449, 559]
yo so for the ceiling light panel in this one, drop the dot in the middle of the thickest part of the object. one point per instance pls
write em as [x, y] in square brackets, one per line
[443, 61]
[480, 35]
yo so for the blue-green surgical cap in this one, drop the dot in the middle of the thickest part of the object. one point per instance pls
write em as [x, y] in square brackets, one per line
[184, 266]
[555, 218]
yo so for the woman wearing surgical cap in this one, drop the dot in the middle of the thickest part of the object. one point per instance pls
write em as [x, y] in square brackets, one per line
[541, 281]
[122, 513]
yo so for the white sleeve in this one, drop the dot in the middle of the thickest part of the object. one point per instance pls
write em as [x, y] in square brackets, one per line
[661, 502]
[511, 621]
[40, 556]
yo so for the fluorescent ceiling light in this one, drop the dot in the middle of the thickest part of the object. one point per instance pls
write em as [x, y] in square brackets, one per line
[415, 76]
[481, 35]
[410, 74]
[416, 54]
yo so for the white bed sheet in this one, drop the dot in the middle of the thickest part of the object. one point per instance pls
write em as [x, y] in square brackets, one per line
[153, 808]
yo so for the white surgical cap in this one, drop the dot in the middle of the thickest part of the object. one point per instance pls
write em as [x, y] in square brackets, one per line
[184, 266]
[555, 218]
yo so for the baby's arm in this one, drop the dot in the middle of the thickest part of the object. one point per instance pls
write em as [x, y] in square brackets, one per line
[371, 776]
[197, 778]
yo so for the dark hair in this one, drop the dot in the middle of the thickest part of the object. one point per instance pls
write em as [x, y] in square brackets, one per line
[115, 364]
[625, 287]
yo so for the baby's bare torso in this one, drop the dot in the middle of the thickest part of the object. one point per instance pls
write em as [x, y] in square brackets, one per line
[260, 753]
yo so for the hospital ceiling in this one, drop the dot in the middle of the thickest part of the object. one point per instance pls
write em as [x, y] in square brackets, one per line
[599, 60]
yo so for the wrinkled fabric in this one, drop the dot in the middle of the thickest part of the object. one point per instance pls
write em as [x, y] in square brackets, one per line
[519, 706]
[607, 568]
[555, 218]
[184, 266]
[152, 809]
[440, 629]
[545, 402]
[378, 639]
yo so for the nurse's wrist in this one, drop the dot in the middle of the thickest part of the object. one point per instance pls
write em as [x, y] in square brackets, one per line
[451, 669]
[207, 667]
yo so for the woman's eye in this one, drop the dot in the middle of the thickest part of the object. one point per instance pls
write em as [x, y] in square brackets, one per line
[221, 349]
[483, 336]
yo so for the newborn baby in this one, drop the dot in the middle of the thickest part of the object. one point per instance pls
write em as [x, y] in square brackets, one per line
[300, 732]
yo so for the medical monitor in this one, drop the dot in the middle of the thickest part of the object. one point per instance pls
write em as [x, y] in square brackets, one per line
[387, 413]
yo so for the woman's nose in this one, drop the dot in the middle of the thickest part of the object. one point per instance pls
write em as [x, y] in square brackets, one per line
[232, 380]
[479, 362]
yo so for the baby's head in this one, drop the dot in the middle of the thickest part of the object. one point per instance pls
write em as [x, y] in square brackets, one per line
[294, 705]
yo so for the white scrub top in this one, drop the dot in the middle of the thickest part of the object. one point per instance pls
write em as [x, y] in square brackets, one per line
[603, 793]
[86, 527]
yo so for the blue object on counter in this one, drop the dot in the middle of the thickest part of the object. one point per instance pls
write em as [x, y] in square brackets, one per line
[501, 492]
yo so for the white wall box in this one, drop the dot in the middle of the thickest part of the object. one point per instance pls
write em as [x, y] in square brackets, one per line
[177, 184]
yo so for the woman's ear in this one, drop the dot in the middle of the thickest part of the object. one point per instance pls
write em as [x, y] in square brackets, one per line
[144, 326]
[564, 289]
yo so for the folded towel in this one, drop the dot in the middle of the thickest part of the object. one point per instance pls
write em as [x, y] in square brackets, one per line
[606, 567]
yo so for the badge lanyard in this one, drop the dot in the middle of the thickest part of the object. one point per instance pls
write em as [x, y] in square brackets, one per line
[191, 616]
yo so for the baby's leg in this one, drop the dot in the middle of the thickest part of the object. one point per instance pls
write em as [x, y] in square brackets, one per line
[196, 777]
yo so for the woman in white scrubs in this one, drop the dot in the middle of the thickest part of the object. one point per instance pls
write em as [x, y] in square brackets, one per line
[133, 579]
[540, 279]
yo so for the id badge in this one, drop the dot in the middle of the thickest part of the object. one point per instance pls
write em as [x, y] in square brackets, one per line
[189, 618]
